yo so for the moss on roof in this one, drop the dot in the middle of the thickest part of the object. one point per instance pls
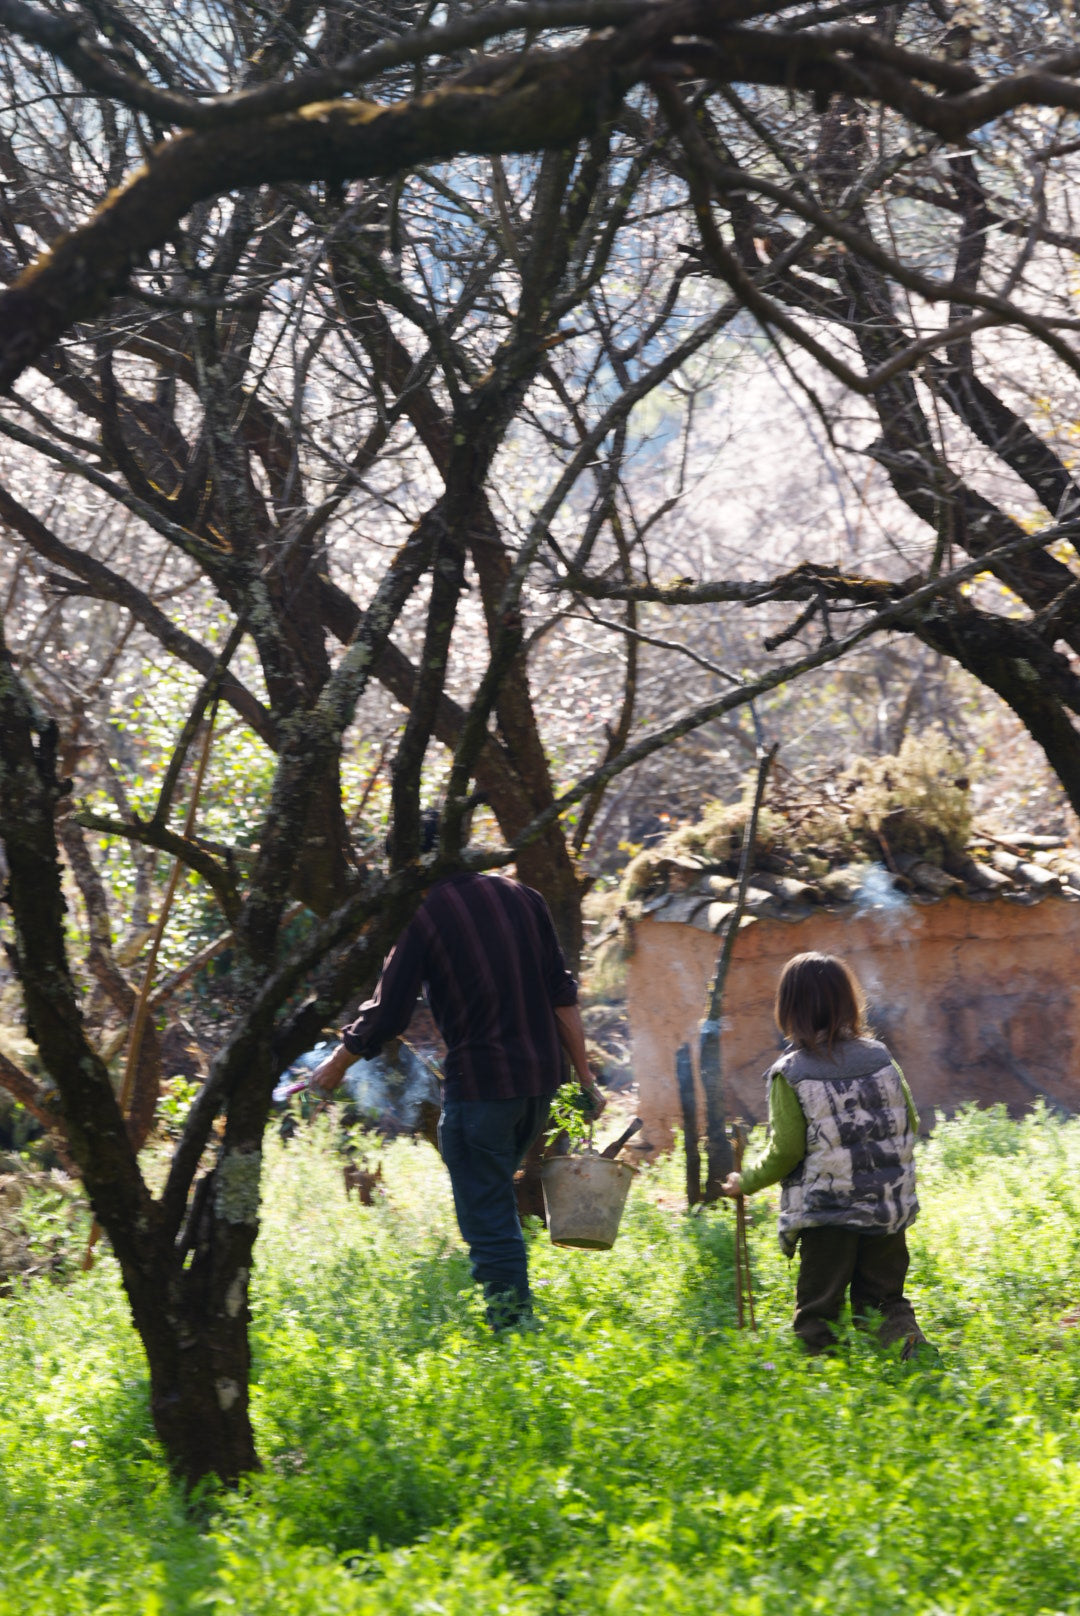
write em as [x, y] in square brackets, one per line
[913, 802]
[902, 821]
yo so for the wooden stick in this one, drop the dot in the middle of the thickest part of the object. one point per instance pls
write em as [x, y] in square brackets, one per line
[369, 786]
[609, 1152]
[744, 1291]
[1019, 847]
[740, 1231]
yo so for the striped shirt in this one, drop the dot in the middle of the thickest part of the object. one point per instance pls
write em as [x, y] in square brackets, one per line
[484, 950]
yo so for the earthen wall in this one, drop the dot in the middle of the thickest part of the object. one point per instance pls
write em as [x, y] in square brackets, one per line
[978, 1002]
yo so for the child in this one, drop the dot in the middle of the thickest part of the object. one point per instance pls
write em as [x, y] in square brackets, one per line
[843, 1127]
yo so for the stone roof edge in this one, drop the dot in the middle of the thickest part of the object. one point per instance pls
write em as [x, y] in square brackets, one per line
[698, 892]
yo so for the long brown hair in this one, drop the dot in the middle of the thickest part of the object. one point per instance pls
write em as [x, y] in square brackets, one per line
[819, 1001]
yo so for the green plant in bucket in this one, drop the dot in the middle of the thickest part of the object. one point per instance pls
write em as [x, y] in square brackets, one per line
[571, 1114]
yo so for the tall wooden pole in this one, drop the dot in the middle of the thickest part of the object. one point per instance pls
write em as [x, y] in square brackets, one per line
[684, 1073]
[718, 1146]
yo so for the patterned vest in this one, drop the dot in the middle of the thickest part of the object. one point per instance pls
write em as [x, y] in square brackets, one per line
[859, 1170]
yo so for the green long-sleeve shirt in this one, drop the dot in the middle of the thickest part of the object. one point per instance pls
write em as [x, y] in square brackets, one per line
[787, 1134]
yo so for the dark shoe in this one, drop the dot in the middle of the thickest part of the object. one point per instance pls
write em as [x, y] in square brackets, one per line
[920, 1353]
[508, 1310]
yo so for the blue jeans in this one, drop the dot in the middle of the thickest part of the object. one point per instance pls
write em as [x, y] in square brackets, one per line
[483, 1143]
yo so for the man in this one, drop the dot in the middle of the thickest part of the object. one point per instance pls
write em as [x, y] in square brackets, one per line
[484, 950]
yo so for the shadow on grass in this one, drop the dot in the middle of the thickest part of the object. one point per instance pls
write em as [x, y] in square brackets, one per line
[709, 1291]
[353, 1302]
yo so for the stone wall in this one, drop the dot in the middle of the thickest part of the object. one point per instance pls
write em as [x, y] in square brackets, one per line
[978, 1002]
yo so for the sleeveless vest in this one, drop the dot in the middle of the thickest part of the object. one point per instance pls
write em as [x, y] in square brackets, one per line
[859, 1170]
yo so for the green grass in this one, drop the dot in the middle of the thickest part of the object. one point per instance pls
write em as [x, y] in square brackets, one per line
[635, 1455]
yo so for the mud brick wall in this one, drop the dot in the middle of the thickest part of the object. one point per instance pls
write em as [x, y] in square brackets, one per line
[978, 1002]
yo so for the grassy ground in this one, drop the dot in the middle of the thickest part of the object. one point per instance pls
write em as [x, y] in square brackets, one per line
[634, 1455]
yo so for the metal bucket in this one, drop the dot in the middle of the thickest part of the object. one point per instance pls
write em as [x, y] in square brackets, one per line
[585, 1196]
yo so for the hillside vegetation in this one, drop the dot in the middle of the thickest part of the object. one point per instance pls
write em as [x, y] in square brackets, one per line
[635, 1454]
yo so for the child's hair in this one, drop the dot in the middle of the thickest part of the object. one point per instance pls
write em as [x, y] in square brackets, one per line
[819, 1001]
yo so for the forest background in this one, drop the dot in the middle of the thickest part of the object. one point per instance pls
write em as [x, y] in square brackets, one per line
[460, 406]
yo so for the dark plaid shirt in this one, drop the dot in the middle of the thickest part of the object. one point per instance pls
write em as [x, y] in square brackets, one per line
[484, 950]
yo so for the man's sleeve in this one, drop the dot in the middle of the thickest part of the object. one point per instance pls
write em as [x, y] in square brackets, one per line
[787, 1138]
[389, 1010]
[561, 987]
[913, 1115]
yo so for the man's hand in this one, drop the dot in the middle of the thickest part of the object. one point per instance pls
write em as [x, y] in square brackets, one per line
[595, 1101]
[732, 1185]
[328, 1076]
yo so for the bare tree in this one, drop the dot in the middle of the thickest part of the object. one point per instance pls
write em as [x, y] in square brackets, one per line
[290, 294]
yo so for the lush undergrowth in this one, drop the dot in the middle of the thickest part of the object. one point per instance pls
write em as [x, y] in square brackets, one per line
[635, 1454]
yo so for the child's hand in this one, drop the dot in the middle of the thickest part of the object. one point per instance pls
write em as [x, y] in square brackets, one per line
[732, 1185]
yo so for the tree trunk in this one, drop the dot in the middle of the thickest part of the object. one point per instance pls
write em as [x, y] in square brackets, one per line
[188, 1296]
[197, 1346]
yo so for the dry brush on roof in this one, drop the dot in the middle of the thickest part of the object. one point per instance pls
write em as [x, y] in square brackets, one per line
[882, 828]
[914, 802]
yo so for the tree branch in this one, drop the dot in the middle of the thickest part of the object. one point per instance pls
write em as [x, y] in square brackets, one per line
[148, 833]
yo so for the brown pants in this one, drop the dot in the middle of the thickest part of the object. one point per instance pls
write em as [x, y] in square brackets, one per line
[873, 1265]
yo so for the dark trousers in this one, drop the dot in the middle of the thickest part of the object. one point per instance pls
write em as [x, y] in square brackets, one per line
[874, 1266]
[483, 1143]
